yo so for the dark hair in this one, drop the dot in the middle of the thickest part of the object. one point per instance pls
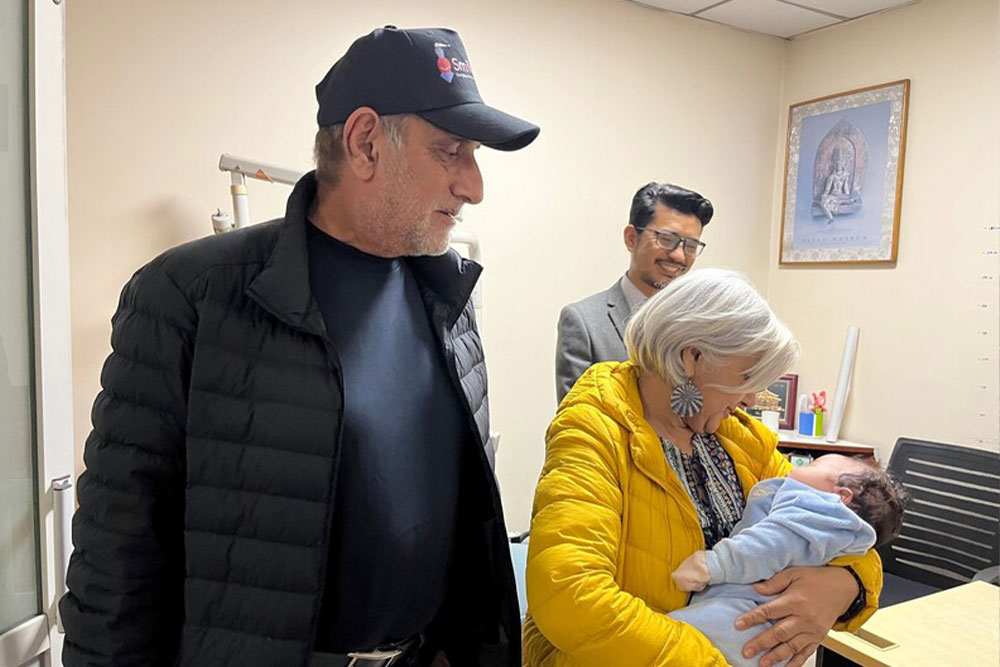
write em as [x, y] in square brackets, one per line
[879, 499]
[674, 197]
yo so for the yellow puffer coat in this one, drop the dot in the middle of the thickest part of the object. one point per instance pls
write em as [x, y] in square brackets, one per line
[611, 521]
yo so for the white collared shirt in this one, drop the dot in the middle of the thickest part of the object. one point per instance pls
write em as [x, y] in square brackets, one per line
[633, 296]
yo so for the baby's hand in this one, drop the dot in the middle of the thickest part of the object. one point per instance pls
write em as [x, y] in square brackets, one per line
[692, 574]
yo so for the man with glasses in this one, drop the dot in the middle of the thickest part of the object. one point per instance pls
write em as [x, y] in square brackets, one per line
[663, 237]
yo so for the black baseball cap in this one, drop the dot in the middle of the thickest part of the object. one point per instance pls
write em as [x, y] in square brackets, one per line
[425, 72]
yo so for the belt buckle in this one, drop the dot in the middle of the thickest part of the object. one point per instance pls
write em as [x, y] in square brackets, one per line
[385, 657]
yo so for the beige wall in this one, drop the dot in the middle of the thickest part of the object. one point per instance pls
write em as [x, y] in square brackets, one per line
[919, 367]
[624, 95]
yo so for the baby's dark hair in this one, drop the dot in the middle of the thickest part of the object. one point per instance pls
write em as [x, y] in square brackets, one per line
[879, 499]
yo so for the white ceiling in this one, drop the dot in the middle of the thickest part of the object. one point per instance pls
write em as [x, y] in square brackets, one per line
[781, 18]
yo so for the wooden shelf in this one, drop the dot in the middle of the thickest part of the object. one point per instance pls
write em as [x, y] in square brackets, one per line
[789, 440]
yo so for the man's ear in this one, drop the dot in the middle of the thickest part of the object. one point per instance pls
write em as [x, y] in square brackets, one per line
[360, 131]
[631, 235]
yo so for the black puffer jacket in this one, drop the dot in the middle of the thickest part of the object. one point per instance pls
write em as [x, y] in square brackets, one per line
[205, 511]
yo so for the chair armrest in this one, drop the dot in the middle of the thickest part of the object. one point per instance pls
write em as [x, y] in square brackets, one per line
[990, 575]
[518, 538]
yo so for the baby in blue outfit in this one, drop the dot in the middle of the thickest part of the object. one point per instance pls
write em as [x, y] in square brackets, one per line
[836, 506]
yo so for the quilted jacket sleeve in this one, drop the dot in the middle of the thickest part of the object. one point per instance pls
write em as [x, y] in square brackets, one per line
[125, 605]
[869, 569]
[573, 597]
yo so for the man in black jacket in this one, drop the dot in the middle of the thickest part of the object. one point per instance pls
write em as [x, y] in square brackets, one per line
[287, 465]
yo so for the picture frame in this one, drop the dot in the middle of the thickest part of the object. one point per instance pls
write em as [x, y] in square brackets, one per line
[843, 179]
[786, 388]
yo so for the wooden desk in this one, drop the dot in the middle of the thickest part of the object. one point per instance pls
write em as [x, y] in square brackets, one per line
[958, 626]
[792, 441]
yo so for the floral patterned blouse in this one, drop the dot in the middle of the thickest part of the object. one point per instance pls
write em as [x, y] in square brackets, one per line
[709, 476]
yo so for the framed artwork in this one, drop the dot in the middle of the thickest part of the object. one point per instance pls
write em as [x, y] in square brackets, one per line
[844, 177]
[781, 396]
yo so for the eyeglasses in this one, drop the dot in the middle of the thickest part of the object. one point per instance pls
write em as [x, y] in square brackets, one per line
[669, 241]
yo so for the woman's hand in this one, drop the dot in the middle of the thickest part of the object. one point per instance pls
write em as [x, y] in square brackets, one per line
[810, 599]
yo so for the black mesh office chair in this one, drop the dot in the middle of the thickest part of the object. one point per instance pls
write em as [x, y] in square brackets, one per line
[951, 530]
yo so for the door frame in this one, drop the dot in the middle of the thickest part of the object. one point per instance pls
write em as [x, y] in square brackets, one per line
[40, 636]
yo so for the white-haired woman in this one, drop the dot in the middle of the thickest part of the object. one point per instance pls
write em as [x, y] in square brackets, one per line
[649, 460]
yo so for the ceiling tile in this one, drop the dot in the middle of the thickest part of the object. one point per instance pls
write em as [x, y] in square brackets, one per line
[768, 16]
[852, 8]
[679, 6]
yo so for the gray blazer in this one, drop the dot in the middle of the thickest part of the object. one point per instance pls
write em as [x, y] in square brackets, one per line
[590, 331]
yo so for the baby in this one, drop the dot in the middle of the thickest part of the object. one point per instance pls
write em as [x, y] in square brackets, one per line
[835, 506]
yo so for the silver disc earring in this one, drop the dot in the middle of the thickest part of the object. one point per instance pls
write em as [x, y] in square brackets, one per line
[686, 400]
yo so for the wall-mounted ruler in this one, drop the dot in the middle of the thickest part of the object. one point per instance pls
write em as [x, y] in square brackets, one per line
[986, 387]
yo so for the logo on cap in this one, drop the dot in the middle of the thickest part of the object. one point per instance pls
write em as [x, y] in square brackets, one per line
[449, 69]
[444, 65]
